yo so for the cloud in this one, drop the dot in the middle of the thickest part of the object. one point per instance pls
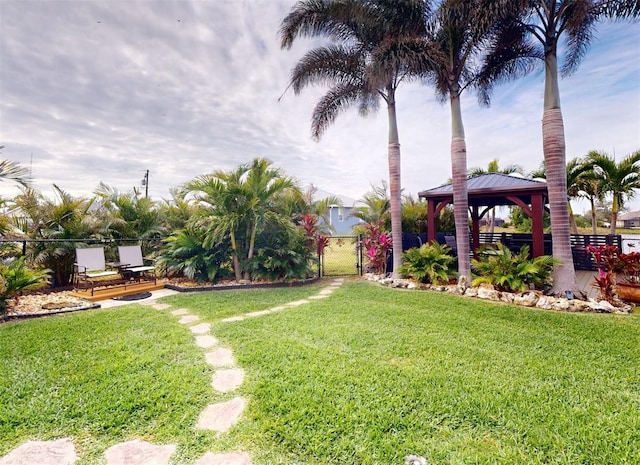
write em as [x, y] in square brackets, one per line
[102, 91]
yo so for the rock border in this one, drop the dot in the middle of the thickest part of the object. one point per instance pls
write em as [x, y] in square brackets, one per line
[531, 299]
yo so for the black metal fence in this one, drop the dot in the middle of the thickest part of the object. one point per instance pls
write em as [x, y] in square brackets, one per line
[342, 256]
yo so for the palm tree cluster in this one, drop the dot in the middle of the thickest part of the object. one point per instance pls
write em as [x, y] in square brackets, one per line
[597, 176]
[453, 45]
[245, 222]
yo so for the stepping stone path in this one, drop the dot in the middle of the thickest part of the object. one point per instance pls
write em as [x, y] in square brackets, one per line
[215, 417]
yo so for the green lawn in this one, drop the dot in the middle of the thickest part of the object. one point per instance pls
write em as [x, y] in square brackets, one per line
[366, 376]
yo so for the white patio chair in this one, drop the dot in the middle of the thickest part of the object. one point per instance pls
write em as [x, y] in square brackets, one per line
[89, 265]
[132, 263]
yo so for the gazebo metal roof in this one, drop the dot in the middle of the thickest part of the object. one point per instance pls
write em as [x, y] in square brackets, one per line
[489, 190]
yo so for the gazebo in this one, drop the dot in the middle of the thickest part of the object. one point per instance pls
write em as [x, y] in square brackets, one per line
[486, 192]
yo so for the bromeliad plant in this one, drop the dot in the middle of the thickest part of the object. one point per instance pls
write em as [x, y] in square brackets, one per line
[431, 263]
[377, 245]
[511, 272]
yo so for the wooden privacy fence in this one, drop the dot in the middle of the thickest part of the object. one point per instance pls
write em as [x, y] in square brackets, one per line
[582, 259]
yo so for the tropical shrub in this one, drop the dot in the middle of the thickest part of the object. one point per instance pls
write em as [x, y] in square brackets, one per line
[184, 254]
[282, 254]
[506, 271]
[431, 263]
[15, 277]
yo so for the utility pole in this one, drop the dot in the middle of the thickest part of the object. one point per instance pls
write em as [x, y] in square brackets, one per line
[145, 183]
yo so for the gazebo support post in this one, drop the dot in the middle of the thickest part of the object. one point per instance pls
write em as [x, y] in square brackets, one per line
[537, 225]
[475, 229]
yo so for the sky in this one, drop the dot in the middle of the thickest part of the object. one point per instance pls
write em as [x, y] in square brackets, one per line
[101, 91]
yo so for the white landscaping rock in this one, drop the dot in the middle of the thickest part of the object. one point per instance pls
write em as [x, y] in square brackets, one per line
[526, 299]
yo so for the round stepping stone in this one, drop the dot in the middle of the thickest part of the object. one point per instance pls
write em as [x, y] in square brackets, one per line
[220, 357]
[220, 417]
[227, 380]
[233, 318]
[206, 341]
[59, 452]
[232, 458]
[161, 306]
[201, 328]
[297, 303]
[138, 452]
[185, 320]
[180, 311]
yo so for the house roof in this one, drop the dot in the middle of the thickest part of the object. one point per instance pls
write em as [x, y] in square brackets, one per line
[347, 202]
[489, 189]
[629, 216]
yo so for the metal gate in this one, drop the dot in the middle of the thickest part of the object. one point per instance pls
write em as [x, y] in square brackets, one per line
[342, 256]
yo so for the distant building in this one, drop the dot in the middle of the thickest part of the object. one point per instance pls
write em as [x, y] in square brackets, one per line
[339, 215]
[628, 220]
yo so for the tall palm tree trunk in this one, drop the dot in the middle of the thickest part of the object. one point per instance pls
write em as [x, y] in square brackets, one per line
[572, 219]
[236, 259]
[553, 143]
[594, 219]
[615, 208]
[460, 196]
[394, 183]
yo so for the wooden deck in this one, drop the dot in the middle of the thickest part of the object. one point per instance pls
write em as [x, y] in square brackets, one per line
[110, 292]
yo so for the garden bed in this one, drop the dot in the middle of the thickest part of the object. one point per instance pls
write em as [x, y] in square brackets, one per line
[44, 304]
[190, 286]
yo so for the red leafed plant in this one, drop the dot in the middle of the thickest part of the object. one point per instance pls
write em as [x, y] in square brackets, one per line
[310, 225]
[614, 266]
[604, 280]
[377, 244]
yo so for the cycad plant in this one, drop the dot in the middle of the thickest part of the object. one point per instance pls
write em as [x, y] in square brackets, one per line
[431, 263]
[184, 254]
[510, 272]
[15, 277]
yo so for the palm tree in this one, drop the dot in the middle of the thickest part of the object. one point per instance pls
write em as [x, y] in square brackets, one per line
[494, 167]
[373, 42]
[131, 215]
[237, 205]
[65, 217]
[458, 35]
[14, 172]
[376, 205]
[619, 179]
[545, 22]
